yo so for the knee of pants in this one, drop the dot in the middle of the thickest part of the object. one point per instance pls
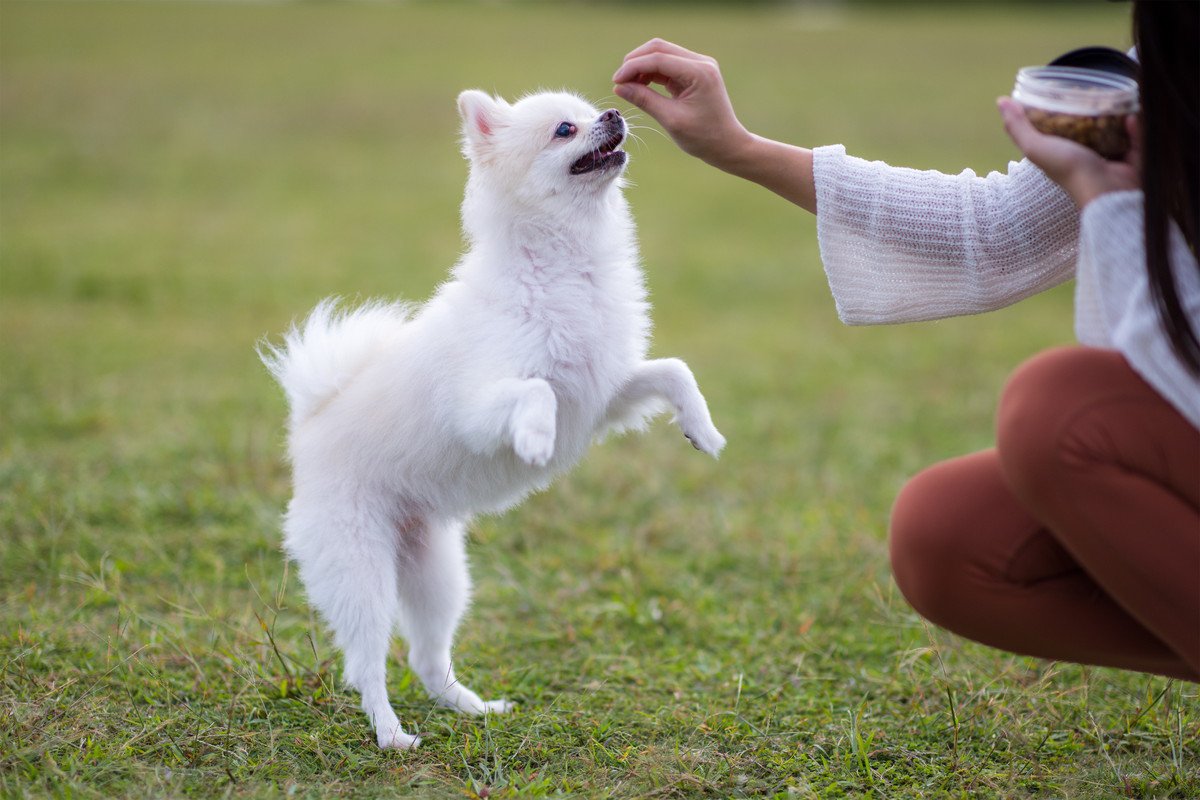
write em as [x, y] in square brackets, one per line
[925, 549]
[1039, 400]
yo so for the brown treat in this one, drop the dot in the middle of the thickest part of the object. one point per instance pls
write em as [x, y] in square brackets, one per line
[1103, 133]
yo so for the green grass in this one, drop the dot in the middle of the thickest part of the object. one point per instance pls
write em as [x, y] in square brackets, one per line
[179, 180]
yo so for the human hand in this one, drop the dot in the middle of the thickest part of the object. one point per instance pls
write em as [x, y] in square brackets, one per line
[1082, 173]
[696, 111]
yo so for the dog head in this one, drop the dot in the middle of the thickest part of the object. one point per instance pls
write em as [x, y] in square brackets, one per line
[544, 149]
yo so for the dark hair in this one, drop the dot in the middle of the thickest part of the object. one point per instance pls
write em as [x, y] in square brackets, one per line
[1167, 35]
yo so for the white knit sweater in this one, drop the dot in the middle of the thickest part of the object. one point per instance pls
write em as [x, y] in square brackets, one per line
[902, 245]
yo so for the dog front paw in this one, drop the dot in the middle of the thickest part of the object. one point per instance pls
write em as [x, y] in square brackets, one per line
[705, 438]
[533, 423]
[534, 444]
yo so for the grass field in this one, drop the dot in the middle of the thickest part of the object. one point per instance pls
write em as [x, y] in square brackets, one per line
[179, 180]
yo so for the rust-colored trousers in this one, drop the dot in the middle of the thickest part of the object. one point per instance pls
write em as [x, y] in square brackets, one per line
[1078, 537]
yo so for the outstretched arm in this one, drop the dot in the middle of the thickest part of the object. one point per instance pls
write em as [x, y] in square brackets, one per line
[697, 113]
[898, 245]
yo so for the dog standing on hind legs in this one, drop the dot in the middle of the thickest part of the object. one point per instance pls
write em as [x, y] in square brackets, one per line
[405, 423]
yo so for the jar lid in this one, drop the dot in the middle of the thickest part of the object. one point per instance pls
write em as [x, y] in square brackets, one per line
[1074, 90]
[1105, 59]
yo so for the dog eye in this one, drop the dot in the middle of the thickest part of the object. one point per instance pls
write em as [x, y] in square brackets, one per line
[565, 129]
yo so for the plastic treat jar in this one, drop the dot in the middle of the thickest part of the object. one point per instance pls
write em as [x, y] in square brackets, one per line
[1085, 105]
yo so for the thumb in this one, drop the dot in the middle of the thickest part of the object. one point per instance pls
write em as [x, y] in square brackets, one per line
[644, 98]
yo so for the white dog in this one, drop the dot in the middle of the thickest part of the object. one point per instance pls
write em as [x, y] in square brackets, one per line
[405, 423]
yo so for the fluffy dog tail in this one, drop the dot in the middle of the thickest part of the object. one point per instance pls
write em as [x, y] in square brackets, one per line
[322, 355]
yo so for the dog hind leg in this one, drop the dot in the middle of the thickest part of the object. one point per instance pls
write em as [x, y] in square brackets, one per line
[435, 587]
[353, 585]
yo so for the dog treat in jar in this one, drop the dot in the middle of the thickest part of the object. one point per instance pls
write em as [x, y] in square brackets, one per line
[1085, 105]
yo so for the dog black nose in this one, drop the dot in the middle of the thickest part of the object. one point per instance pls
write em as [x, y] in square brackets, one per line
[610, 115]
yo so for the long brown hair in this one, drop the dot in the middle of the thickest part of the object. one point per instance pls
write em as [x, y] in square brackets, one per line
[1167, 35]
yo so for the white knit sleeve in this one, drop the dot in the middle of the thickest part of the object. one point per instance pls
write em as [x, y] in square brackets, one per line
[1114, 305]
[901, 245]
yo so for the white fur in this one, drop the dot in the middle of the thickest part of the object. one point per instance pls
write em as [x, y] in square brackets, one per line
[405, 425]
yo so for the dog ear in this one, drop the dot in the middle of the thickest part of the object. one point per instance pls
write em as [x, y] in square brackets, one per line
[481, 116]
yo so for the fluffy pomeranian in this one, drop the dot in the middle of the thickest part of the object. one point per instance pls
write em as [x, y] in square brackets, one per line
[405, 422]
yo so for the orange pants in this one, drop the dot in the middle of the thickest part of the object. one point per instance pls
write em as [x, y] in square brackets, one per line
[1078, 537]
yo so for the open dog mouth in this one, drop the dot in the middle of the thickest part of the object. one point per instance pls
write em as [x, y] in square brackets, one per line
[603, 157]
